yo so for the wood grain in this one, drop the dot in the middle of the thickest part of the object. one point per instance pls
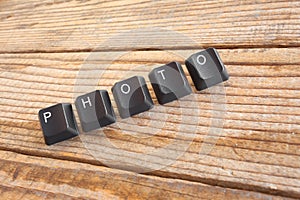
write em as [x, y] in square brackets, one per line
[258, 149]
[50, 48]
[29, 177]
[60, 26]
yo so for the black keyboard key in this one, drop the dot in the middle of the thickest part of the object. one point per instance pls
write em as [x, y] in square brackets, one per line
[132, 96]
[206, 68]
[169, 82]
[95, 110]
[58, 123]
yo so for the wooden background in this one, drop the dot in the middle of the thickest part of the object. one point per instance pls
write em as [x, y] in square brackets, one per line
[44, 44]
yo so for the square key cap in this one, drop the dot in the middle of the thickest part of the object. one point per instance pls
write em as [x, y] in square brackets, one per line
[206, 68]
[169, 82]
[58, 123]
[95, 110]
[132, 96]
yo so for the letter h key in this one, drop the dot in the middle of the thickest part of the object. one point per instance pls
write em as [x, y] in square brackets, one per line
[95, 110]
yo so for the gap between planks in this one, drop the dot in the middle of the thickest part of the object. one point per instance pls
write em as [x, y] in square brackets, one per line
[117, 49]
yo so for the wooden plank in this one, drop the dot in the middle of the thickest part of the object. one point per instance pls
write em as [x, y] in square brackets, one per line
[258, 149]
[29, 177]
[60, 26]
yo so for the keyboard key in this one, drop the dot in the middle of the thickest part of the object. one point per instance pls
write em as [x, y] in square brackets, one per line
[132, 96]
[58, 123]
[169, 82]
[95, 110]
[206, 68]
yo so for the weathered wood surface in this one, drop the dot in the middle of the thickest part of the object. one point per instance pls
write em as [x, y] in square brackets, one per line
[45, 44]
[261, 130]
[67, 25]
[29, 177]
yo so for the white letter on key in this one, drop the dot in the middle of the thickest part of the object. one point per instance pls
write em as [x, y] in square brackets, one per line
[161, 73]
[47, 115]
[85, 102]
[122, 88]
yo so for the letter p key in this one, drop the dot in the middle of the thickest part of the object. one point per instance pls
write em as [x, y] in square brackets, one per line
[58, 123]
